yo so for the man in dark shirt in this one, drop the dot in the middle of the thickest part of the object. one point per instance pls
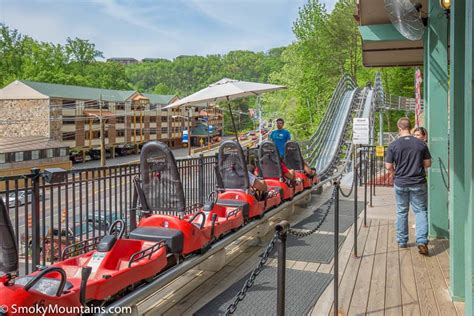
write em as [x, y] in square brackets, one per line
[407, 158]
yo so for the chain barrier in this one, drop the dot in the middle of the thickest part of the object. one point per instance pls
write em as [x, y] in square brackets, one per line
[355, 176]
[301, 234]
[352, 186]
[249, 283]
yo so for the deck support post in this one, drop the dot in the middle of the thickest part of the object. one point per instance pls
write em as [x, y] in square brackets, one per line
[436, 114]
[458, 197]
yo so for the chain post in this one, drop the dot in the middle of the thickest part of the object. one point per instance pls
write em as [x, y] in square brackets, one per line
[35, 221]
[355, 199]
[375, 173]
[365, 185]
[371, 173]
[201, 179]
[337, 185]
[133, 209]
[282, 230]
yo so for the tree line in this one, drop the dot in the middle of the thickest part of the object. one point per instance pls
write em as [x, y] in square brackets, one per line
[327, 45]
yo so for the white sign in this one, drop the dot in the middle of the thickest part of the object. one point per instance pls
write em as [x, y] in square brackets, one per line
[360, 131]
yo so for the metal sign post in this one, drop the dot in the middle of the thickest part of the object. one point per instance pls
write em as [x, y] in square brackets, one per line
[360, 136]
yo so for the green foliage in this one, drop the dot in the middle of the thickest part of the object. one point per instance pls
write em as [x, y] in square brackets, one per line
[187, 74]
[22, 57]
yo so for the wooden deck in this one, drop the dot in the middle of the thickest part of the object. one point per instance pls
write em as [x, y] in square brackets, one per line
[382, 280]
[386, 280]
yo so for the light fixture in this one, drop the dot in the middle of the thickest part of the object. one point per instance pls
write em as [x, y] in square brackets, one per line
[445, 4]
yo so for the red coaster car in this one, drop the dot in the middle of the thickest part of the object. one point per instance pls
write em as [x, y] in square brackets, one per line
[165, 216]
[234, 185]
[270, 169]
[102, 268]
[294, 160]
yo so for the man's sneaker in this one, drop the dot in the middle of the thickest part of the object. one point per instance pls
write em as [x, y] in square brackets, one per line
[402, 245]
[423, 249]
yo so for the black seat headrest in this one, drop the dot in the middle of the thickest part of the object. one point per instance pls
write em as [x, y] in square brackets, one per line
[106, 243]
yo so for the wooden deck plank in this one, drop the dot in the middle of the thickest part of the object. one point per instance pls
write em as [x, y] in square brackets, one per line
[426, 297]
[410, 302]
[376, 302]
[438, 283]
[312, 266]
[443, 258]
[300, 265]
[324, 304]
[459, 308]
[347, 285]
[393, 293]
[360, 296]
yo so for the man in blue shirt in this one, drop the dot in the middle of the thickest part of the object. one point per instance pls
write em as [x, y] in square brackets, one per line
[280, 136]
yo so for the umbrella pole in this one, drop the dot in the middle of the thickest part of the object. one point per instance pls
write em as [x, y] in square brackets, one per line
[233, 122]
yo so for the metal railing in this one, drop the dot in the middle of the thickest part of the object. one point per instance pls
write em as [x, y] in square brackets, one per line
[376, 164]
[49, 217]
[390, 102]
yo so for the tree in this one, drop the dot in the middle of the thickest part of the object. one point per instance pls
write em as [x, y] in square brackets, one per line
[81, 51]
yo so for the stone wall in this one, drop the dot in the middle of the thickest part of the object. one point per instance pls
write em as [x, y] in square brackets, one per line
[56, 115]
[24, 118]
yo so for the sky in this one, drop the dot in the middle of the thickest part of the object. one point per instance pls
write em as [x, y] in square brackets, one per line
[158, 28]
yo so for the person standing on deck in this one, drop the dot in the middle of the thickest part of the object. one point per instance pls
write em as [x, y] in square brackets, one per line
[406, 158]
[280, 136]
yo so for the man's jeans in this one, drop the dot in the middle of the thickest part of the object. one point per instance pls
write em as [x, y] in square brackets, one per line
[417, 195]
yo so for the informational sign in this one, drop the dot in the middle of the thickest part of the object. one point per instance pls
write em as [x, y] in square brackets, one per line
[360, 131]
[184, 138]
[210, 129]
[379, 151]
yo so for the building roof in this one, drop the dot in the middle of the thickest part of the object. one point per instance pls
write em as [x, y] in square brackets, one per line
[122, 59]
[158, 98]
[18, 144]
[78, 92]
[25, 89]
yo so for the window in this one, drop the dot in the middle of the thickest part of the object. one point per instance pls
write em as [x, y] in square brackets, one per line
[120, 119]
[69, 104]
[27, 155]
[164, 130]
[119, 106]
[35, 154]
[120, 133]
[105, 105]
[2, 158]
[69, 120]
[62, 152]
[164, 119]
[152, 119]
[69, 136]
[153, 131]
[19, 156]
[49, 153]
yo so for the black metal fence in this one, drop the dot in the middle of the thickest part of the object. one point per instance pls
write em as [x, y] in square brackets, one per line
[48, 217]
[373, 158]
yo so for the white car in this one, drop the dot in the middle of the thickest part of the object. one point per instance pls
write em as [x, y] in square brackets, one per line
[20, 199]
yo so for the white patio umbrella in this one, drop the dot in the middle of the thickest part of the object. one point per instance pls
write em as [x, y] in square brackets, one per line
[226, 90]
